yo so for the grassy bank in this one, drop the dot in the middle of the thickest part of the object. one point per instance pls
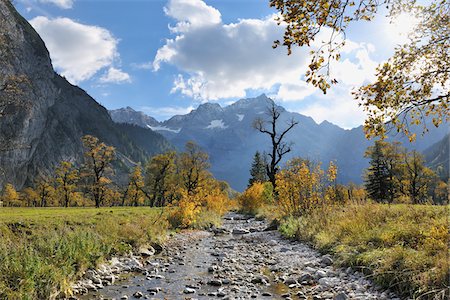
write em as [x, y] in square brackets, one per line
[42, 250]
[402, 247]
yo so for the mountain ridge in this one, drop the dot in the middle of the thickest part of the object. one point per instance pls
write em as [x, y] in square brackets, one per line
[226, 133]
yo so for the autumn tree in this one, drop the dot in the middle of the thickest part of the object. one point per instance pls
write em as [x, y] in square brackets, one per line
[45, 191]
[135, 194]
[382, 179]
[97, 166]
[10, 196]
[417, 178]
[193, 166]
[29, 197]
[277, 136]
[414, 82]
[302, 186]
[258, 170]
[160, 178]
[66, 179]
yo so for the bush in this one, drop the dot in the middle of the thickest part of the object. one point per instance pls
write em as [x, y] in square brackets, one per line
[255, 197]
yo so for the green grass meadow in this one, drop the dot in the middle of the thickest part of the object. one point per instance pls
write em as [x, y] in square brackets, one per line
[42, 250]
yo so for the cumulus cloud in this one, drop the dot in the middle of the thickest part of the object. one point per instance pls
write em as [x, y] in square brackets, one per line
[191, 13]
[218, 60]
[65, 4]
[78, 51]
[225, 60]
[338, 107]
[114, 75]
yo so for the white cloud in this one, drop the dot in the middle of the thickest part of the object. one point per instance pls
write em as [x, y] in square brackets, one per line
[218, 60]
[143, 66]
[162, 113]
[115, 76]
[191, 13]
[356, 67]
[337, 107]
[65, 4]
[224, 60]
[78, 51]
[294, 91]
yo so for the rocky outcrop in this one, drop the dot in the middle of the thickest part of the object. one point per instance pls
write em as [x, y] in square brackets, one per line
[43, 116]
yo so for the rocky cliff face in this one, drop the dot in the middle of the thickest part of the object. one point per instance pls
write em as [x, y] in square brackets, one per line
[42, 116]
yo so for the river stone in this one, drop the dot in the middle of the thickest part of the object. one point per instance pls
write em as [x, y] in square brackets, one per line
[215, 282]
[154, 289]
[138, 295]
[240, 231]
[189, 291]
[146, 250]
[306, 277]
[326, 260]
[340, 296]
[321, 273]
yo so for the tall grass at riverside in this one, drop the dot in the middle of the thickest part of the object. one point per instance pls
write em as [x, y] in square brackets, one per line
[43, 249]
[402, 247]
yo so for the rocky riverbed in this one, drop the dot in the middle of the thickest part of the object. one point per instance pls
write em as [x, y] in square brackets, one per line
[240, 260]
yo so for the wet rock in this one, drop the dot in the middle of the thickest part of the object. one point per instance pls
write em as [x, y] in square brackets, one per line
[290, 281]
[326, 260]
[154, 290]
[189, 291]
[138, 295]
[215, 282]
[321, 274]
[340, 296]
[306, 277]
[240, 231]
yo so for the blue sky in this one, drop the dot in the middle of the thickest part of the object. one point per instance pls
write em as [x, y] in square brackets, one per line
[167, 57]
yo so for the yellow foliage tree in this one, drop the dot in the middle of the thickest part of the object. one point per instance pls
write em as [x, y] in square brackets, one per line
[302, 186]
[98, 158]
[66, 179]
[29, 197]
[135, 195]
[10, 196]
[255, 197]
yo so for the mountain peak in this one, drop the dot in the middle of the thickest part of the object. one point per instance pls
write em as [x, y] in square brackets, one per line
[209, 106]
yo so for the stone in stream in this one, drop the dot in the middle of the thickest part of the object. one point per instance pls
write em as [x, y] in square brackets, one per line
[154, 290]
[215, 282]
[124, 297]
[240, 231]
[326, 260]
[138, 295]
[189, 291]
[340, 296]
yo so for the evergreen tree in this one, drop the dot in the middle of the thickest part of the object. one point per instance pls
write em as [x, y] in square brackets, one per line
[383, 175]
[258, 170]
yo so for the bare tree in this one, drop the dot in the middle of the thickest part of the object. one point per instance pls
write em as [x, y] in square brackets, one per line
[279, 146]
